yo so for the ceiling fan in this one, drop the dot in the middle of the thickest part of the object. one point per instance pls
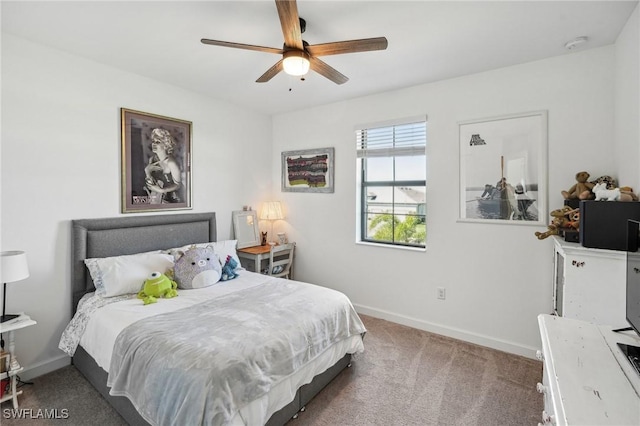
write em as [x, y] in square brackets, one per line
[297, 55]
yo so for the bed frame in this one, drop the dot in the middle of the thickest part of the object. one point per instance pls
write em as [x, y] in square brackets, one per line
[137, 234]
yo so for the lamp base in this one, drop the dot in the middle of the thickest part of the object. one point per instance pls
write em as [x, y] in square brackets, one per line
[8, 317]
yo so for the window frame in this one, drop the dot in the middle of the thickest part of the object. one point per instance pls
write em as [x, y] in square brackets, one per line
[363, 184]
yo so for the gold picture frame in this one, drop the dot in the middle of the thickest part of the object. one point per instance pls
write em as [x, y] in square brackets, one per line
[156, 162]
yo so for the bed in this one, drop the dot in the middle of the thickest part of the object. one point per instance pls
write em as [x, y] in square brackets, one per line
[277, 397]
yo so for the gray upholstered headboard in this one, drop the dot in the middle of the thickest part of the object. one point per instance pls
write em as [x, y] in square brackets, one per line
[128, 235]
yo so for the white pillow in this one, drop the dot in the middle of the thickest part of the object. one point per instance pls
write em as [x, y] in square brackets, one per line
[117, 275]
[221, 248]
[226, 248]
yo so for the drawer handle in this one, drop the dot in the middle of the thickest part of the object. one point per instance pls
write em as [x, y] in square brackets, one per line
[541, 388]
[539, 355]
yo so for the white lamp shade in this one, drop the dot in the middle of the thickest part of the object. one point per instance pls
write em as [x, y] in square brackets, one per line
[14, 266]
[295, 62]
[271, 210]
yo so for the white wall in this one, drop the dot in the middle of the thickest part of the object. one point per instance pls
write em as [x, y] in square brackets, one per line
[497, 277]
[627, 105]
[60, 157]
[61, 161]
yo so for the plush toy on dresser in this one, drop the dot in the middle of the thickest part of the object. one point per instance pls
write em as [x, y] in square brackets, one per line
[627, 194]
[602, 193]
[581, 190]
[563, 218]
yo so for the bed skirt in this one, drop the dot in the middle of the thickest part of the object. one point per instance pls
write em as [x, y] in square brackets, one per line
[98, 378]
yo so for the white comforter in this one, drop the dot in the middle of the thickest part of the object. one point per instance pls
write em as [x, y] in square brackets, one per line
[173, 374]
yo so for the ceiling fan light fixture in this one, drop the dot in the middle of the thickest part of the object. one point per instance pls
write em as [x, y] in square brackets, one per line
[295, 62]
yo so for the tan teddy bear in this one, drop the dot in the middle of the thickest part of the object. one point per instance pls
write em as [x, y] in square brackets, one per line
[627, 194]
[581, 190]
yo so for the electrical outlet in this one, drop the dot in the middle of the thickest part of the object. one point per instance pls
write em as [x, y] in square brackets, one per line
[442, 294]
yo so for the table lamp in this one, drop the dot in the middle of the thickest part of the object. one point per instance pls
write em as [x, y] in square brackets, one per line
[271, 211]
[14, 268]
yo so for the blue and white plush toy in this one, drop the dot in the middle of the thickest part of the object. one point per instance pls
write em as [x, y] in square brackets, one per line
[229, 269]
[197, 267]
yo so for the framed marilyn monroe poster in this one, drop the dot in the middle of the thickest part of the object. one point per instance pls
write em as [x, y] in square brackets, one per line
[156, 162]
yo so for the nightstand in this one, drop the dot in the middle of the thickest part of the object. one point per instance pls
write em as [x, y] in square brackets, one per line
[255, 255]
[9, 328]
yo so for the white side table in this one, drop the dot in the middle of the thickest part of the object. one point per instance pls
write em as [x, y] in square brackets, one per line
[9, 328]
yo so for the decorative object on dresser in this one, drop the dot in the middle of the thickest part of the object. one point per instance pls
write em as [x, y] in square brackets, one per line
[14, 268]
[308, 170]
[563, 219]
[580, 190]
[602, 193]
[156, 162]
[512, 151]
[271, 211]
[245, 228]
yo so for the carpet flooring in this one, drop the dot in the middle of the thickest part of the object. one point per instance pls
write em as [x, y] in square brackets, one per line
[404, 377]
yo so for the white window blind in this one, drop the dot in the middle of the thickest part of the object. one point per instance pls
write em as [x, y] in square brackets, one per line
[392, 141]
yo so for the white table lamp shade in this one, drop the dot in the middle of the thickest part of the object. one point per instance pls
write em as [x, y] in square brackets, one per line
[14, 266]
[271, 210]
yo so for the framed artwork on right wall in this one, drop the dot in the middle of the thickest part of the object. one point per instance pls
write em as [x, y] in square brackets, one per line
[503, 169]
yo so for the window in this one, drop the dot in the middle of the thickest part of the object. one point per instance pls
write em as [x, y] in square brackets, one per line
[392, 170]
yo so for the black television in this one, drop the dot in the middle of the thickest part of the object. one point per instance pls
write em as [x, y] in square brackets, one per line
[632, 295]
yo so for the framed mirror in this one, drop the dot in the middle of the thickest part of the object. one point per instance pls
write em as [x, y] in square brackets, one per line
[245, 228]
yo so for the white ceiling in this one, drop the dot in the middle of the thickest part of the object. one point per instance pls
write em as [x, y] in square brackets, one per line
[428, 41]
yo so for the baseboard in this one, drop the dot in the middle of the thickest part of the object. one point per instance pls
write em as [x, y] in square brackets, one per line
[456, 333]
[34, 371]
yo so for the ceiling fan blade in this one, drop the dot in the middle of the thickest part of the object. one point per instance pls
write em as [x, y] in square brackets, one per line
[325, 70]
[290, 22]
[271, 72]
[349, 46]
[241, 46]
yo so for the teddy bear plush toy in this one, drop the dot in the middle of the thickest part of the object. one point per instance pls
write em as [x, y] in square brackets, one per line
[581, 190]
[157, 285]
[627, 194]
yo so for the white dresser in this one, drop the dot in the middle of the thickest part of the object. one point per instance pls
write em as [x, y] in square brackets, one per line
[586, 378]
[589, 284]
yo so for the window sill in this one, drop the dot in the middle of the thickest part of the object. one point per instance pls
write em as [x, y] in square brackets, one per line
[391, 246]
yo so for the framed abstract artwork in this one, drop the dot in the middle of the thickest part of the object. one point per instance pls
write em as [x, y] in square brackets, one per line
[503, 169]
[308, 170]
[156, 162]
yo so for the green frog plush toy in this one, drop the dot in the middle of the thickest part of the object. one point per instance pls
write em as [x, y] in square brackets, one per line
[157, 285]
